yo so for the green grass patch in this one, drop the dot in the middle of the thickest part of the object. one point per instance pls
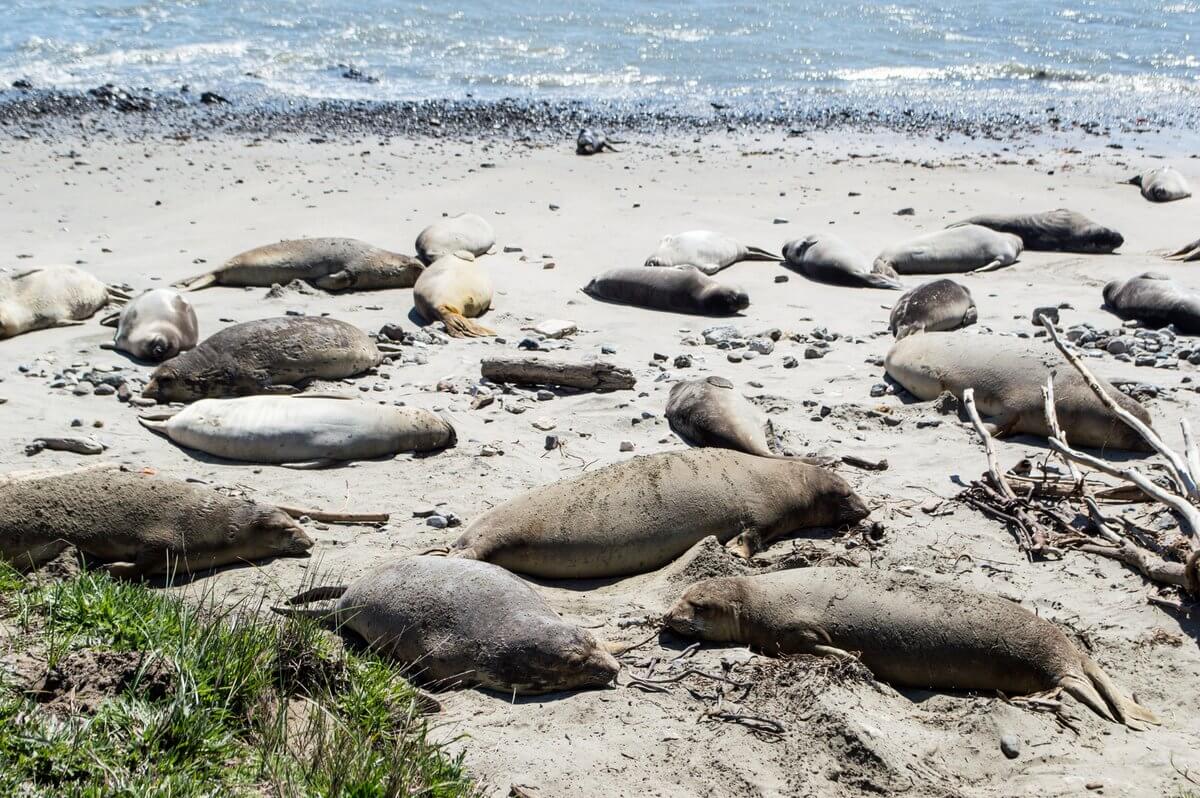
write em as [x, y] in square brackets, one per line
[151, 694]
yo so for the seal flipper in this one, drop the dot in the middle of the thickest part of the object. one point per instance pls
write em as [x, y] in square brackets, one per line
[758, 253]
[111, 320]
[997, 263]
[156, 422]
[312, 465]
[1188, 252]
[879, 280]
[338, 281]
[197, 282]
[1100, 695]
[318, 594]
[459, 326]
[747, 544]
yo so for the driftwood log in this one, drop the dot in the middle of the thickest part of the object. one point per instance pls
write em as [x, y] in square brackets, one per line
[599, 376]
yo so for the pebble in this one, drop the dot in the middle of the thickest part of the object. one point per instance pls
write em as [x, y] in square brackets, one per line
[790, 362]
[489, 451]
[627, 446]
[552, 442]
[781, 278]
[608, 350]
[544, 396]
[683, 361]
[104, 389]
[1010, 744]
[721, 334]
[734, 357]
[83, 388]
[555, 328]
[544, 424]
[763, 346]
[812, 353]
[879, 389]
[437, 521]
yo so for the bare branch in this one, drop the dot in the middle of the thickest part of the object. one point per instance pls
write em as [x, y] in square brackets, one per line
[993, 464]
[1055, 430]
[1189, 447]
[1150, 566]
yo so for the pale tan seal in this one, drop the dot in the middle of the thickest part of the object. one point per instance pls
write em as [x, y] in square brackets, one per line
[265, 356]
[156, 326]
[334, 264]
[453, 290]
[455, 623]
[638, 515]
[133, 525]
[911, 631]
[465, 232]
[1163, 184]
[1155, 300]
[53, 296]
[969, 248]
[682, 290]
[938, 305]
[1188, 252]
[709, 412]
[1060, 230]
[302, 430]
[705, 250]
[1008, 375]
[828, 259]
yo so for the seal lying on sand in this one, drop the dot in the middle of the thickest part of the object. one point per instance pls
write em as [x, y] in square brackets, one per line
[458, 623]
[677, 290]
[935, 306]
[453, 290]
[1052, 231]
[303, 429]
[1008, 375]
[54, 296]
[910, 631]
[705, 250]
[265, 356]
[1188, 252]
[1162, 185]
[828, 259]
[1155, 300]
[155, 326]
[709, 412]
[138, 525]
[969, 248]
[453, 234]
[638, 515]
[592, 141]
[334, 264]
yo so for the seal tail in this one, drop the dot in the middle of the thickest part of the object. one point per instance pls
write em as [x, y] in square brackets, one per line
[1189, 252]
[318, 594]
[758, 253]
[1094, 689]
[459, 326]
[111, 320]
[878, 280]
[197, 282]
[156, 422]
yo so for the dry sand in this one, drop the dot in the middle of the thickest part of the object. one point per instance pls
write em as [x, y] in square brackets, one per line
[146, 212]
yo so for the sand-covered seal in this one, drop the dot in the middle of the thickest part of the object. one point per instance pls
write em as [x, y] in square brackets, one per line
[911, 631]
[456, 623]
[465, 232]
[968, 248]
[1008, 375]
[155, 325]
[453, 290]
[705, 250]
[591, 141]
[53, 296]
[935, 306]
[638, 515]
[682, 290]
[828, 259]
[1187, 252]
[137, 525]
[1059, 230]
[308, 430]
[1163, 184]
[1155, 300]
[334, 264]
[265, 356]
[710, 412]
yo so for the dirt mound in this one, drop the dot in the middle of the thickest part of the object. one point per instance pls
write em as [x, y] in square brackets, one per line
[83, 680]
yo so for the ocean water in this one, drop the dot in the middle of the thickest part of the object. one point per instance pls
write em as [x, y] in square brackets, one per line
[1101, 58]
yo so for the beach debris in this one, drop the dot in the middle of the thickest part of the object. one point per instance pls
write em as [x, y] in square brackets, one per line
[600, 376]
[87, 446]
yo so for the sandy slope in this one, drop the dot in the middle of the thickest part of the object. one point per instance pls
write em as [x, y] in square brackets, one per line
[143, 212]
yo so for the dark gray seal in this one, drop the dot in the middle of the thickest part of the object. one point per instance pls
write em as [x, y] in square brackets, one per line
[1060, 230]
[680, 290]
[828, 259]
[935, 306]
[591, 141]
[1155, 300]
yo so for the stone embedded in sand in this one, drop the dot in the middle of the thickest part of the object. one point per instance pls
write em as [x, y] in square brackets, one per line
[555, 328]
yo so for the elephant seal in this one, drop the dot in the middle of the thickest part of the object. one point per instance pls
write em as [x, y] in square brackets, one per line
[453, 290]
[970, 248]
[334, 264]
[910, 631]
[709, 412]
[457, 623]
[640, 514]
[1008, 375]
[453, 234]
[677, 290]
[591, 141]
[265, 356]
[1188, 252]
[302, 429]
[1052, 231]
[137, 525]
[1162, 185]
[935, 306]
[1155, 300]
[54, 296]
[705, 250]
[828, 259]
[155, 326]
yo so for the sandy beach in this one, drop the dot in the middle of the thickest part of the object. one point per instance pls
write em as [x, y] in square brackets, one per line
[150, 210]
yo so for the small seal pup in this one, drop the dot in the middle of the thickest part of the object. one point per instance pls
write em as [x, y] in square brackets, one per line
[969, 248]
[1008, 375]
[458, 623]
[453, 290]
[265, 356]
[828, 259]
[1188, 252]
[155, 326]
[683, 290]
[1060, 230]
[591, 141]
[705, 250]
[1162, 185]
[54, 296]
[640, 514]
[1155, 300]
[935, 306]
[909, 630]
[709, 412]
[333, 264]
[302, 430]
[137, 525]
[455, 233]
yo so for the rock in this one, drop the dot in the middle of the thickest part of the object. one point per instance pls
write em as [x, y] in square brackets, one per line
[437, 521]
[555, 328]
[392, 331]
[489, 451]
[552, 442]
[763, 346]
[812, 353]
[878, 389]
[83, 388]
[1049, 311]
[906, 212]
[544, 424]
[544, 395]
[946, 403]
[790, 362]
[627, 446]
[781, 278]
[104, 390]
[734, 357]
[720, 334]
[212, 98]
[683, 362]
[529, 344]
[1010, 744]
[779, 220]
[1118, 346]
